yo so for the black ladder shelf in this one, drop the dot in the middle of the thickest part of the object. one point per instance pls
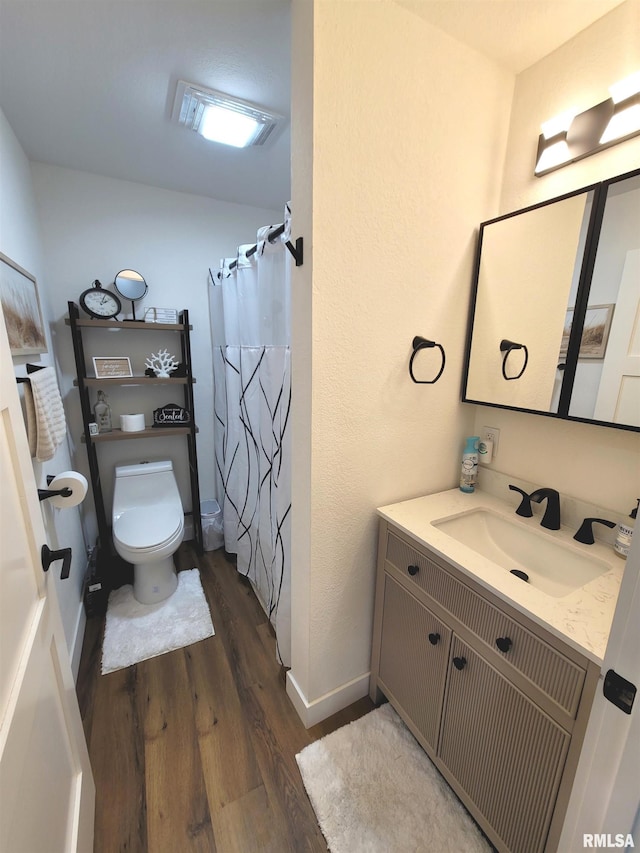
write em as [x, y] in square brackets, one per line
[92, 442]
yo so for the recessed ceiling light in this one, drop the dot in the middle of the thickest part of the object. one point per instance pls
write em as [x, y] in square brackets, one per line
[221, 118]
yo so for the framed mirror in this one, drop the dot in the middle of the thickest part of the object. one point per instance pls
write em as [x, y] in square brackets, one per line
[131, 285]
[606, 385]
[545, 313]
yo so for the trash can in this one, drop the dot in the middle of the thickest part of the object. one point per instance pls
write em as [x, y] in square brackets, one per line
[212, 533]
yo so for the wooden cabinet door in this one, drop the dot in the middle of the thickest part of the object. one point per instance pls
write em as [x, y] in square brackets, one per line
[413, 659]
[505, 753]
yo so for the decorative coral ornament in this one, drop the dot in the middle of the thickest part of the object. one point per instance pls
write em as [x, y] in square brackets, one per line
[162, 363]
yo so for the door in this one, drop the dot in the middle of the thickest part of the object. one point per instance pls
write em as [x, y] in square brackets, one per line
[414, 652]
[504, 751]
[47, 792]
[619, 390]
[606, 794]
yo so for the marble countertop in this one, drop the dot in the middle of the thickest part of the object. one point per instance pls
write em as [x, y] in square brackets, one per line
[582, 618]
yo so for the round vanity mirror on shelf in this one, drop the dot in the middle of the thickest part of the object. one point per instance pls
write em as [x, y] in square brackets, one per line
[131, 285]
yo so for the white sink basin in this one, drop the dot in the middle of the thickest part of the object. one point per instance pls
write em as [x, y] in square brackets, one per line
[553, 567]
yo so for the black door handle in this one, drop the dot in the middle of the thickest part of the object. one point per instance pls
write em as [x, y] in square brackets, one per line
[413, 570]
[459, 663]
[504, 643]
[48, 556]
[434, 639]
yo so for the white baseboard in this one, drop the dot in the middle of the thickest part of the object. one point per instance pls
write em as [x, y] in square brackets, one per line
[314, 712]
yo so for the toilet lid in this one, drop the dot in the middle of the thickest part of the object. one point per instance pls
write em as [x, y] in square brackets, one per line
[139, 528]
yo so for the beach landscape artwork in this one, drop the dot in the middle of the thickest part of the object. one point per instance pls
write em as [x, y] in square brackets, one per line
[21, 309]
[595, 331]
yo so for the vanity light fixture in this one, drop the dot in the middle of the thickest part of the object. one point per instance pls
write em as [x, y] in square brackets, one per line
[570, 137]
[555, 151]
[221, 118]
[626, 111]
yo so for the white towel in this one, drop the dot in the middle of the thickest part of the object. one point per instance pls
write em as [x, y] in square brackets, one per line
[46, 424]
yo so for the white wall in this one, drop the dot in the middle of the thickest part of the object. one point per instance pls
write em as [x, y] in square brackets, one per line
[598, 464]
[92, 228]
[20, 240]
[404, 152]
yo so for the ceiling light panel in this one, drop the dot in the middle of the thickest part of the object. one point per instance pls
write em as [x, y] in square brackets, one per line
[221, 118]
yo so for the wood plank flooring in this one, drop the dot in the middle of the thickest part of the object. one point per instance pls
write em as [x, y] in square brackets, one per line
[195, 750]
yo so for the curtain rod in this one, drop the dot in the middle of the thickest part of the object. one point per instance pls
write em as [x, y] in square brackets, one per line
[271, 236]
[296, 250]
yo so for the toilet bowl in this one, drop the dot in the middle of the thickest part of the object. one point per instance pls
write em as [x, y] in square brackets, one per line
[147, 526]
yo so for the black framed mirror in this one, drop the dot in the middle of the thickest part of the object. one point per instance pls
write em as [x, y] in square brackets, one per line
[132, 286]
[558, 278]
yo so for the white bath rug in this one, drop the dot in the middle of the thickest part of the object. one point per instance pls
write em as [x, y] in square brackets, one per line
[374, 790]
[136, 632]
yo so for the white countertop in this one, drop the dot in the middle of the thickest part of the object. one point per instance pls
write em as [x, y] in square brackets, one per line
[582, 618]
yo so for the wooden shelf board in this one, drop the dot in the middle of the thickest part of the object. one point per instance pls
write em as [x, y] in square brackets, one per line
[149, 432]
[129, 324]
[94, 382]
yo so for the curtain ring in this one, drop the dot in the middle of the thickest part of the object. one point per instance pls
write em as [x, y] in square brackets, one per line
[422, 343]
[506, 347]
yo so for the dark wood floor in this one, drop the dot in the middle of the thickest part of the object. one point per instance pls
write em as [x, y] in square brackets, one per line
[195, 749]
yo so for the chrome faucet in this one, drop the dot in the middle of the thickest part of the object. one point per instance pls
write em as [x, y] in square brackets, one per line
[551, 517]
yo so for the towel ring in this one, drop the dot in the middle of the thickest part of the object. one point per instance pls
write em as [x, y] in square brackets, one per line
[422, 343]
[506, 347]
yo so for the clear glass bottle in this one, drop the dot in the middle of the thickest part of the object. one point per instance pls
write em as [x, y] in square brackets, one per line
[102, 413]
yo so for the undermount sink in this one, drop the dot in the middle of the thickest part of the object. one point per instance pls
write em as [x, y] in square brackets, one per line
[551, 566]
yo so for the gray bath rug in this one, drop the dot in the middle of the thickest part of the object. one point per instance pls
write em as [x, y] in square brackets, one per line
[374, 790]
[136, 632]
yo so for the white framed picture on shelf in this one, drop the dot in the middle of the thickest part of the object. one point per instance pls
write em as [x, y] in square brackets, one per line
[112, 367]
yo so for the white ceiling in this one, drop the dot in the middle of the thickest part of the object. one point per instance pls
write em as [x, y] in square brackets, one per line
[90, 84]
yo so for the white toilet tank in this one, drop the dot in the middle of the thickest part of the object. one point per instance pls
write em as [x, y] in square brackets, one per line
[145, 484]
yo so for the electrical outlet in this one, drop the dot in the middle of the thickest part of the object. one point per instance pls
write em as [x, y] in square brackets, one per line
[491, 434]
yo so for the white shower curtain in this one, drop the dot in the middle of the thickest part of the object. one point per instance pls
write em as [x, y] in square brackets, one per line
[250, 327]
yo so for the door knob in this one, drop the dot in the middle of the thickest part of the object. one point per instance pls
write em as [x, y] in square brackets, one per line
[48, 556]
[459, 663]
[434, 639]
[413, 570]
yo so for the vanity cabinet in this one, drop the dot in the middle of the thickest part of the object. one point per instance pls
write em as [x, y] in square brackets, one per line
[499, 704]
[80, 328]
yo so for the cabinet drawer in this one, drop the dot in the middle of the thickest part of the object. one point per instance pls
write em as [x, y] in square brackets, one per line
[414, 654]
[558, 677]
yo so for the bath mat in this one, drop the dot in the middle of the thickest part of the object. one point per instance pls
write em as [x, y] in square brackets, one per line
[374, 790]
[136, 632]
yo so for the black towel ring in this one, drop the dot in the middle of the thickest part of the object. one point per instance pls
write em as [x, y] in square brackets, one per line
[422, 343]
[506, 347]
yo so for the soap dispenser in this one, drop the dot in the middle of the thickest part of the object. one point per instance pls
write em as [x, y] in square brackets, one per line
[625, 532]
[469, 470]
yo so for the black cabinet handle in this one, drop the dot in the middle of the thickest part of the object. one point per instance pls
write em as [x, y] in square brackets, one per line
[413, 570]
[434, 639]
[459, 663]
[504, 643]
[48, 556]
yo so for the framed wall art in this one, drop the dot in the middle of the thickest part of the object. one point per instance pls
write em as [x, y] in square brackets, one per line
[595, 332]
[21, 309]
[111, 367]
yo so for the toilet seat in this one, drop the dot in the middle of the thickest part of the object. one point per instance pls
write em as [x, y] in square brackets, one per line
[139, 529]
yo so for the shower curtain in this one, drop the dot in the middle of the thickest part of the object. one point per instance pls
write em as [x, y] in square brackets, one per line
[250, 327]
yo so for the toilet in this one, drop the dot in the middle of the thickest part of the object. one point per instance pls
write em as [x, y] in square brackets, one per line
[148, 523]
